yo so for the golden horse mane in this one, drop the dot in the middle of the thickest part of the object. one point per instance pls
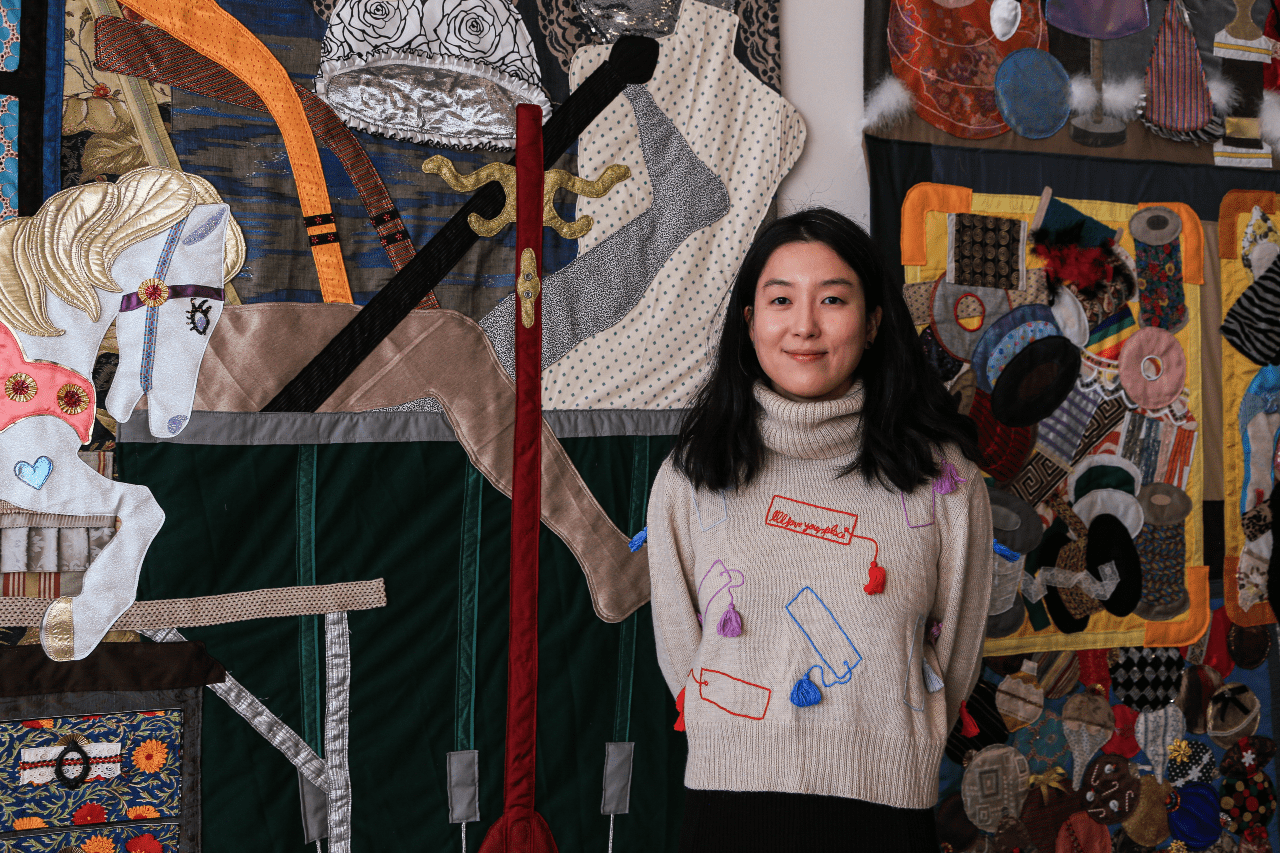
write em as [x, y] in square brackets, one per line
[69, 246]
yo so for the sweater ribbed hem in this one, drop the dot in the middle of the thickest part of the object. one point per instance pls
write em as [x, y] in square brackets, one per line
[866, 765]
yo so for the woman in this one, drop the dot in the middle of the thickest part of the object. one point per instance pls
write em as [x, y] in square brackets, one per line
[820, 553]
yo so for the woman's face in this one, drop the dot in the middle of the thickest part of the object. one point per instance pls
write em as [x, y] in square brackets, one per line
[809, 322]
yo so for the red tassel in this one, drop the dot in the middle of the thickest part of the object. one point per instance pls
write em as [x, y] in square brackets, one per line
[968, 727]
[875, 585]
[679, 726]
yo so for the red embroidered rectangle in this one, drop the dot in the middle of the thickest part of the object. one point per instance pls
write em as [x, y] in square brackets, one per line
[820, 522]
[735, 696]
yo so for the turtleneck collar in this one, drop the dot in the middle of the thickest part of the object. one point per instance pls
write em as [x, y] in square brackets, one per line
[822, 430]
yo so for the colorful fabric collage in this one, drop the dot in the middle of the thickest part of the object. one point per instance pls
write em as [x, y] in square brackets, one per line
[1095, 445]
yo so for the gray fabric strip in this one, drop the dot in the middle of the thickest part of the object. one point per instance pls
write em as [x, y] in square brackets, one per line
[464, 785]
[617, 778]
[337, 636]
[265, 723]
[262, 428]
[315, 808]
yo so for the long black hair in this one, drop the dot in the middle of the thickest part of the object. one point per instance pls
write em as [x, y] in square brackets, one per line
[907, 415]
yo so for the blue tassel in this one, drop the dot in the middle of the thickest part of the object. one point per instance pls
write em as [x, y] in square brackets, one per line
[730, 623]
[638, 540]
[805, 693]
[1008, 553]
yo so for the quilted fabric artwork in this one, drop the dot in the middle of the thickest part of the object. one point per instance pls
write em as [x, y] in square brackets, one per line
[947, 57]
[743, 132]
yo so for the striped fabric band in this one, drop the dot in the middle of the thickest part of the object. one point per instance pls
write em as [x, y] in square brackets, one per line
[1177, 94]
[153, 316]
[1250, 324]
[1059, 434]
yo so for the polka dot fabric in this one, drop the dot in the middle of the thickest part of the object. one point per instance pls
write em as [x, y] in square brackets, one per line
[750, 136]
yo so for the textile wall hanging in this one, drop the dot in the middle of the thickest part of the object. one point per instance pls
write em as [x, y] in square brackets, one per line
[1250, 389]
[1086, 405]
[1131, 80]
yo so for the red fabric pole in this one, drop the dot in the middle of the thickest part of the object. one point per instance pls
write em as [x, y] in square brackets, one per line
[521, 829]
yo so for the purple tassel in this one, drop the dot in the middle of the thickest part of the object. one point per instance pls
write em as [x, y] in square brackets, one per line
[730, 623]
[949, 480]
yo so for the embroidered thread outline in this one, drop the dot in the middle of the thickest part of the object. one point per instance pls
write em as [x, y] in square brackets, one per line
[822, 674]
[702, 682]
[833, 532]
[724, 502]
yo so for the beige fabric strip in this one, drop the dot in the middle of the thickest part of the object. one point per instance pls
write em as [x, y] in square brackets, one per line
[221, 609]
[255, 349]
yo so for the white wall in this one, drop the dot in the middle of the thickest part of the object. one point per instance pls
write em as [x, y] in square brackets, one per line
[822, 76]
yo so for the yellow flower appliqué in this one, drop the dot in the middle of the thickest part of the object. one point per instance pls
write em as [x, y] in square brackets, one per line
[141, 812]
[1180, 750]
[150, 756]
[29, 823]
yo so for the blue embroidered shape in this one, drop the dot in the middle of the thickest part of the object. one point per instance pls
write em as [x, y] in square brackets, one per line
[805, 693]
[204, 229]
[638, 540]
[176, 423]
[724, 512]
[1008, 553]
[153, 307]
[825, 633]
[34, 475]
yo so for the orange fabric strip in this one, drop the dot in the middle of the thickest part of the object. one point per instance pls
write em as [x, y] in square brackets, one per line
[207, 28]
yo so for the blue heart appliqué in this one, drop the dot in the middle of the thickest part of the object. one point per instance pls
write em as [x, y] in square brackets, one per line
[35, 475]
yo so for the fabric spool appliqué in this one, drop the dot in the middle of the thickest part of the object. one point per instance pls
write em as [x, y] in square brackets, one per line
[1007, 337]
[1161, 296]
[986, 251]
[962, 315]
[1153, 368]
[1111, 20]
[1036, 381]
[1015, 523]
[1033, 93]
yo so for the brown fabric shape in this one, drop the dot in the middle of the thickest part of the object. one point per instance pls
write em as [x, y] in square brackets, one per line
[1110, 789]
[1248, 646]
[1198, 684]
[1044, 817]
[1149, 823]
[28, 671]
[221, 609]
[256, 349]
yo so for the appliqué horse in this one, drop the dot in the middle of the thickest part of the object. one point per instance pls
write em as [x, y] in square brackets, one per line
[164, 240]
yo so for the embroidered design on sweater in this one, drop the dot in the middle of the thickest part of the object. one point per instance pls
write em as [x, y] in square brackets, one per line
[933, 511]
[820, 522]
[827, 636]
[730, 624]
[732, 695]
[710, 521]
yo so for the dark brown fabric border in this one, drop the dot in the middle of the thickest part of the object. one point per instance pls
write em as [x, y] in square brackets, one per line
[28, 671]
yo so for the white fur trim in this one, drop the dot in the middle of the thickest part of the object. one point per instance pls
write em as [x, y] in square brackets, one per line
[1224, 93]
[1084, 97]
[1269, 118]
[1122, 98]
[887, 104]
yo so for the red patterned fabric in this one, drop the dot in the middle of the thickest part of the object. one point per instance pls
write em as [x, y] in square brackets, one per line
[1004, 449]
[948, 58]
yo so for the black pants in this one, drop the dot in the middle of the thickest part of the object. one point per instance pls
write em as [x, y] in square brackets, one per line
[749, 821]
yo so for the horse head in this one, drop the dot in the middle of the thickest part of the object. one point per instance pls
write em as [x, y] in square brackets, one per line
[173, 283]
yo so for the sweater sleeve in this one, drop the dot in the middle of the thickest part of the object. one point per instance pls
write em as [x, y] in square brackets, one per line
[964, 584]
[676, 630]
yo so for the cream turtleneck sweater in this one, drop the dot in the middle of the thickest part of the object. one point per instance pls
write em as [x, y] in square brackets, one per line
[790, 558]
